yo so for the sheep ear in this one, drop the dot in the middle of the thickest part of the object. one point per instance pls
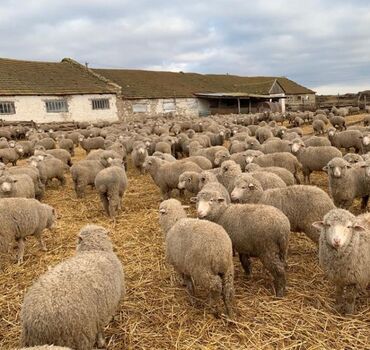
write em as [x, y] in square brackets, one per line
[162, 210]
[319, 225]
[220, 199]
[358, 227]
[251, 186]
[325, 168]
[193, 199]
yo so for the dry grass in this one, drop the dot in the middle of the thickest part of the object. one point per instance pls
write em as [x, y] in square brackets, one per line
[156, 313]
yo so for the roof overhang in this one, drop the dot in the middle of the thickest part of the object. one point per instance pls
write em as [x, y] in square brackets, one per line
[240, 95]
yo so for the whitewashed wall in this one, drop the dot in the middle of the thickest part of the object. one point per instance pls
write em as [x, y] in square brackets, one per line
[79, 109]
[191, 107]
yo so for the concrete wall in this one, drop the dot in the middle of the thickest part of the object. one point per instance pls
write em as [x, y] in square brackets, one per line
[79, 109]
[136, 108]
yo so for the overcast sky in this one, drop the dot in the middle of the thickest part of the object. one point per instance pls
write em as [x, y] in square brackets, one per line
[324, 45]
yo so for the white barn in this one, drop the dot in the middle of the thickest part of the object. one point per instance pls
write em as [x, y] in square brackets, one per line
[54, 92]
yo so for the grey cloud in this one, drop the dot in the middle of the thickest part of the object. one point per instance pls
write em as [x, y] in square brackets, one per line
[317, 43]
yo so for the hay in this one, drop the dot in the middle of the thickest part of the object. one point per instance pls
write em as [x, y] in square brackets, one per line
[156, 313]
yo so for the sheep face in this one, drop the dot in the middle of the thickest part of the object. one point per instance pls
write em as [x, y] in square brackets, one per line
[366, 140]
[210, 205]
[221, 156]
[6, 184]
[337, 168]
[246, 191]
[337, 228]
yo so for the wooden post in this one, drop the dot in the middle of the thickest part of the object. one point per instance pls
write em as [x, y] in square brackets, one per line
[238, 105]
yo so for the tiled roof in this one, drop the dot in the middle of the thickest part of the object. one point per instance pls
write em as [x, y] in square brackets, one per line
[48, 78]
[154, 84]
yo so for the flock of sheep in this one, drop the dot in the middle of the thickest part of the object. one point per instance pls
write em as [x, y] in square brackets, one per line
[245, 174]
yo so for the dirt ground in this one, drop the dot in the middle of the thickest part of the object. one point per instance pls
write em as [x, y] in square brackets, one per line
[156, 312]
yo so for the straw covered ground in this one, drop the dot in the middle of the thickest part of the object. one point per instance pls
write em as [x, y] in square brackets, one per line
[156, 313]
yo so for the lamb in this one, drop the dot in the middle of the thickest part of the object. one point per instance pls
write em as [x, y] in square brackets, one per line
[11, 155]
[111, 184]
[166, 175]
[84, 173]
[302, 204]
[347, 183]
[91, 143]
[22, 217]
[283, 173]
[16, 186]
[139, 154]
[346, 139]
[200, 250]
[344, 255]
[313, 158]
[281, 159]
[87, 287]
[255, 230]
[318, 126]
[49, 168]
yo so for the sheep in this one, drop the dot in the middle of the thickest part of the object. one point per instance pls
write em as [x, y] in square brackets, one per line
[338, 122]
[91, 143]
[66, 144]
[318, 127]
[302, 204]
[283, 173]
[166, 175]
[266, 179]
[237, 146]
[84, 173]
[86, 288]
[60, 154]
[111, 184]
[103, 154]
[366, 120]
[347, 183]
[200, 250]
[346, 139]
[49, 168]
[163, 147]
[321, 117]
[281, 159]
[229, 172]
[255, 230]
[139, 154]
[203, 162]
[11, 155]
[273, 146]
[33, 173]
[164, 156]
[298, 121]
[28, 147]
[263, 134]
[313, 158]
[344, 255]
[209, 152]
[365, 140]
[47, 143]
[22, 217]
[353, 158]
[316, 141]
[189, 180]
[16, 186]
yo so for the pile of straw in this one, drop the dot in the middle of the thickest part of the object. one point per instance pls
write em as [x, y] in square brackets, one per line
[157, 314]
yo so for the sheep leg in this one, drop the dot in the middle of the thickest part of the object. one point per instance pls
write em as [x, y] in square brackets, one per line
[349, 299]
[190, 288]
[20, 254]
[246, 263]
[276, 267]
[42, 244]
[339, 298]
[105, 202]
[364, 202]
[62, 179]
[297, 179]
[228, 293]
[100, 341]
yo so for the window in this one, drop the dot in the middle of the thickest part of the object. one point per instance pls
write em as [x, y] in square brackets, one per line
[139, 107]
[100, 103]
[7, 108]
[56, 106]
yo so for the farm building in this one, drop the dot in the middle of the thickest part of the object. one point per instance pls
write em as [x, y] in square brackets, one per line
[54, 92]
[156, 93]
